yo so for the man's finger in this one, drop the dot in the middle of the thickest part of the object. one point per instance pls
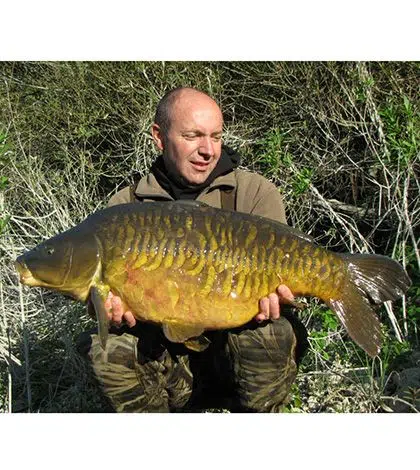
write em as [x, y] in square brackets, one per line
[274, 311]
[263, 314]
[117, 310]
[264, 306]
[285, 294]
[286, 297]
[129, 318]
[260, 317]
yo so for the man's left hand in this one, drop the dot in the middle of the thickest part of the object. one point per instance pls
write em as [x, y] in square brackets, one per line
[270, 305]
[117, 312]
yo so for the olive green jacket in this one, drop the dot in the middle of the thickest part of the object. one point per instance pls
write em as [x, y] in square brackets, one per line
[253, 193]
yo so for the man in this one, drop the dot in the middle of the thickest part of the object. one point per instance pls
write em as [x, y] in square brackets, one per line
[245, 369]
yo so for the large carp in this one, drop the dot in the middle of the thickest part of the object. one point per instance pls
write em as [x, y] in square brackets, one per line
[190, 267]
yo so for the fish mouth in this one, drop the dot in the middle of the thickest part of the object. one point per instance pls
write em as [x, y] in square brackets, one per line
[26, 277]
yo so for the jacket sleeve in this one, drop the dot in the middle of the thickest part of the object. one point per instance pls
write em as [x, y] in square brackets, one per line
[256, 195]
[121, 197]
[270, 204]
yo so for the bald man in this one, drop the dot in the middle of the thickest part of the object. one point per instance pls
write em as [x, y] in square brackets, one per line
[245, 369]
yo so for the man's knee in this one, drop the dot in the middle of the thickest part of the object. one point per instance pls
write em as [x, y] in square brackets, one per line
[264, 365]
[131, 386]
[115, 371]
[121, 350]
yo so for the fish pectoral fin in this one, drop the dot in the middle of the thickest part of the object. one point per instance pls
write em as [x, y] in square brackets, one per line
[189, 335]
[98, 296]
[178, 333]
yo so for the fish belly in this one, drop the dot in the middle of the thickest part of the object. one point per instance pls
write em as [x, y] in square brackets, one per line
[167, 296]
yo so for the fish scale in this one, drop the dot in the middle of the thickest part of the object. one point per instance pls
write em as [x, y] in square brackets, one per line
[187, 253]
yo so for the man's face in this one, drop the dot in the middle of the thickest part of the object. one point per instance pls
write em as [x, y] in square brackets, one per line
[193, 143]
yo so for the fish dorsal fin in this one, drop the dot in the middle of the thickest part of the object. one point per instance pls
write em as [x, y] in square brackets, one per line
[178, 333]
[293, 231]
[191, 203]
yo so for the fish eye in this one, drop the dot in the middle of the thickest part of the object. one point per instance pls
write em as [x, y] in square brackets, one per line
[50, 250]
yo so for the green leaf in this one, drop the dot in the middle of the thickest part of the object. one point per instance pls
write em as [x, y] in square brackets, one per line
[4, 181]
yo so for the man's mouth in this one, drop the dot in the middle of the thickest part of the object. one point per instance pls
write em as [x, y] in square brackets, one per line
[201, 166]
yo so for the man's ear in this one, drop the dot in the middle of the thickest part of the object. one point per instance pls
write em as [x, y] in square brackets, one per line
[157, 135]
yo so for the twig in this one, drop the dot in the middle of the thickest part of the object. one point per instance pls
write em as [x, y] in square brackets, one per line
[9, 375]
[351, 209]
[394, 399]
[408, 221]
[347, 226]
[25, 349]
[391, 315]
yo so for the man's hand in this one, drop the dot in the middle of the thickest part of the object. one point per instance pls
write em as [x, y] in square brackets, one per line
[270, 305]
[116, 311]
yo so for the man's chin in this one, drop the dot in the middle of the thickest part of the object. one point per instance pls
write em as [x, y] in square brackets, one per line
[196, 181]
[197, 178]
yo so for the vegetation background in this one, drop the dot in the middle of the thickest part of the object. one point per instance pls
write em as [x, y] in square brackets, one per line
[340, 140]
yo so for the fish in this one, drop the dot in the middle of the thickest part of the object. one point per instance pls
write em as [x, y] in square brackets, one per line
[192, 268]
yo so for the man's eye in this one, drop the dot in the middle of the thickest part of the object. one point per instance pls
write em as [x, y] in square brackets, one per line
[216, 138]
[190, 136]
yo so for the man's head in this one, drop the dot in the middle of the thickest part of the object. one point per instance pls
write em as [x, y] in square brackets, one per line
[188, 129]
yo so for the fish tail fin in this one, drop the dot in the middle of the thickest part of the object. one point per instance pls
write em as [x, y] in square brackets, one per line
[371, 279]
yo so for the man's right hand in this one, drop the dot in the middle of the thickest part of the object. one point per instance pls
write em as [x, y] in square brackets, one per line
[115, 310]
[269, 307]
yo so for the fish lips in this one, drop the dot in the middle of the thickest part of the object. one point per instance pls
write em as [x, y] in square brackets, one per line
[26, 277]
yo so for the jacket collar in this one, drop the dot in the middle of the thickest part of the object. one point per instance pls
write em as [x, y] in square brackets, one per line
[149, 188]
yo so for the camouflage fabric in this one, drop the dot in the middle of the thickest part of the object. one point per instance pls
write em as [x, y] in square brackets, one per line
[155, 386]
[246, 369]
[264, 365]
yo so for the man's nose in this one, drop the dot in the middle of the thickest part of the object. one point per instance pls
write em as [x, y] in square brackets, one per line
[206, 147]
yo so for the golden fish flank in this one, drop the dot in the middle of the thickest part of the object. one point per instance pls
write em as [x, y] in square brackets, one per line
[192, 268]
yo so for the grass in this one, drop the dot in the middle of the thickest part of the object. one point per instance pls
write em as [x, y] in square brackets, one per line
[340, 141]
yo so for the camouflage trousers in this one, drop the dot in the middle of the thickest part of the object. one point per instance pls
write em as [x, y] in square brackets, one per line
[246, 369]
